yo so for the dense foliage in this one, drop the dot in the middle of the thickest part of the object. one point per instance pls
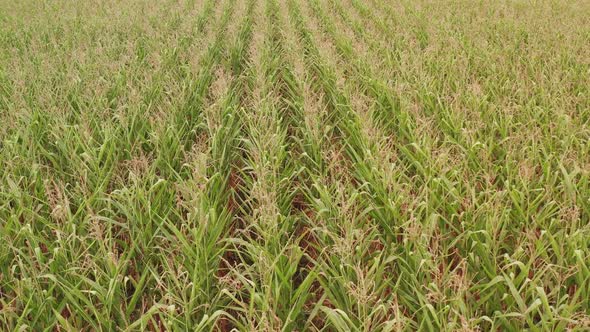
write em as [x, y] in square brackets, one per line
[271, 165]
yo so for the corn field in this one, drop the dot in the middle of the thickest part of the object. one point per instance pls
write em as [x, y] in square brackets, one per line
[294, 165]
